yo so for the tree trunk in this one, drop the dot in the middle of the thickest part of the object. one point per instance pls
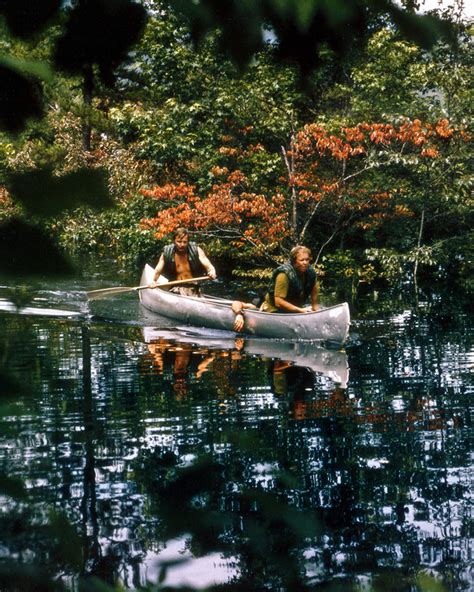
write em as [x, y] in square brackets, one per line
[418, 245]
[87, 92]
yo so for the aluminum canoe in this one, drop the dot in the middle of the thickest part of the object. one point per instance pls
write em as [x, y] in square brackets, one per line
[328, 325]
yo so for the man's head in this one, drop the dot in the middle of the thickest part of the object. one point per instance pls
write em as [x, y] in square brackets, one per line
[300, 258]
[181, 239]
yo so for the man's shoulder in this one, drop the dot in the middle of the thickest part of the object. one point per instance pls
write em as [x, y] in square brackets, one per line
[281, 276]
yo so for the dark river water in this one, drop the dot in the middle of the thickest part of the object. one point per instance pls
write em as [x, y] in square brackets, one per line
[133, 451]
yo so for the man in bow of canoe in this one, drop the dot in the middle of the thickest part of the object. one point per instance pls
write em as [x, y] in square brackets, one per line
[292, 284]
[182, 260]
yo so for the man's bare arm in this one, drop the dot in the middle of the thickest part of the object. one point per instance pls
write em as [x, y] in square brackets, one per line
[314, 296]
[237, 308]
[285, 305]
[159, 268]
[211, 272]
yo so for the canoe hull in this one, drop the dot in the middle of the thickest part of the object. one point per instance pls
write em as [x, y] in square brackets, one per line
[330, 324]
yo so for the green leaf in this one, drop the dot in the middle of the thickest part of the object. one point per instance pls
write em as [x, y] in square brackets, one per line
[69, 542]
[30, 67]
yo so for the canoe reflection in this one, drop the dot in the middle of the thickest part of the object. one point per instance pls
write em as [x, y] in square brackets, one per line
[286, 355]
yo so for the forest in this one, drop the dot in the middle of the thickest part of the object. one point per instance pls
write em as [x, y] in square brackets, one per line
[348, 131]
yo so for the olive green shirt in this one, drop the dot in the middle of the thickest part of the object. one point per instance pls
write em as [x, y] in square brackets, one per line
[282, 284]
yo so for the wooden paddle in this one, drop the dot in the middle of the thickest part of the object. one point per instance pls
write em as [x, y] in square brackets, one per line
[94, 294]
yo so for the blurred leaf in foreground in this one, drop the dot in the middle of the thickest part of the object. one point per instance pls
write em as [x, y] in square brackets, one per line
[27, 578]
[25, 18]
[20, 99]
[43, 194]
[12, 486]
[100, 32]
[300, 30]
[12, 391]
[69, 542]
[37, 68]
[27, 250]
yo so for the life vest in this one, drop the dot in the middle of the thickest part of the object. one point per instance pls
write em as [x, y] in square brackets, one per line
[197, 268]
[299, 286]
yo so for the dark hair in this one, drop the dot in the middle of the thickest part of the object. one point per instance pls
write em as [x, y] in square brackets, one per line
[180, 231]
[295, 250]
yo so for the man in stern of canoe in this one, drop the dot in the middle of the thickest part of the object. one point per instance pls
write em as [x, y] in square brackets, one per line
[292, 284]
[182, 260]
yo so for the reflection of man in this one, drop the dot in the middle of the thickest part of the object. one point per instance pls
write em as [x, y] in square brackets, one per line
[183, 355]
[290, 378]
[182, 260]
[280, 378]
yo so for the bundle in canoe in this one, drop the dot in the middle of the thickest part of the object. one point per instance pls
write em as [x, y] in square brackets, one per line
[329, 324]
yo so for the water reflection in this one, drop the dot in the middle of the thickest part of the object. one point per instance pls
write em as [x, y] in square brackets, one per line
[267, 460]
[330, 363]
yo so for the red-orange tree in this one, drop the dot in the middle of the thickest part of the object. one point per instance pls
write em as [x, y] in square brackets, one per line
[331, 183]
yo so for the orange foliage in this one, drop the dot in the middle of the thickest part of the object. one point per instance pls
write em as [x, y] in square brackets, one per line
[252, 217]
[325, 167]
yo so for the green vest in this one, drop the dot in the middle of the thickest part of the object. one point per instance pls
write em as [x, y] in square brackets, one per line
[197, 268]
[300, 286]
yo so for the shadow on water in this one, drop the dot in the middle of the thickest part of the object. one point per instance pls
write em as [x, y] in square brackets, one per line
[148, 452]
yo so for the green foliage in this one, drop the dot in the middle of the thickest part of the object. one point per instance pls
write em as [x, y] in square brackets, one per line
[394, 75]
[196, 101]
[344, 271]
[113, 233]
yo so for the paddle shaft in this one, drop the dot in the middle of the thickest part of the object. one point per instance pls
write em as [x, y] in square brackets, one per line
[121, 289]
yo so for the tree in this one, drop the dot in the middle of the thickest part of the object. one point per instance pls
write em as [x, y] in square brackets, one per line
[356, 180]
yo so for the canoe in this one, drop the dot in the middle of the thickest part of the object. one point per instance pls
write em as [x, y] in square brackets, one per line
[328, 324]
[330, 363]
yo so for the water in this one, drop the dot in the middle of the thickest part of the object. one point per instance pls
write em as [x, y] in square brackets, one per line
[227, 462]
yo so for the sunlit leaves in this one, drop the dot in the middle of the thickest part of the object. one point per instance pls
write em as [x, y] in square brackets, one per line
[335, 175]
[230, 210]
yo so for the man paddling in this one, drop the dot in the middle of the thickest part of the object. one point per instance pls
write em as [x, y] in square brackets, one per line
[182, 260]
[292, 284]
